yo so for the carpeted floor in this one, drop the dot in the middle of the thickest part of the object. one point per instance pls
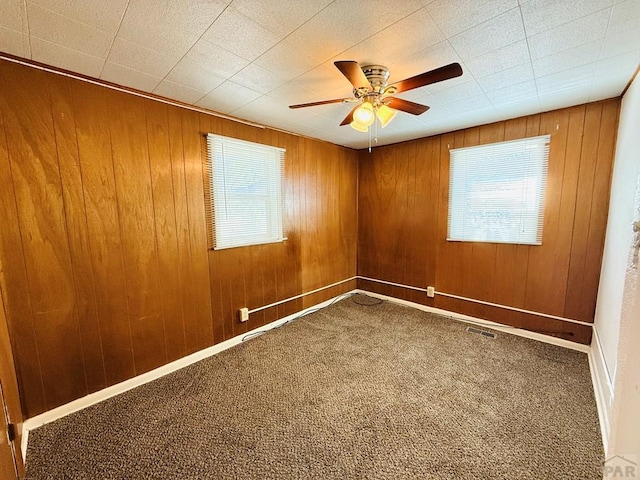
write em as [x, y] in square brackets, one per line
[351, 391]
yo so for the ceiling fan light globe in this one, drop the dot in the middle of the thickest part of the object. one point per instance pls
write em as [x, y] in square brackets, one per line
[385, 115]
[364, 115]
[359, 126]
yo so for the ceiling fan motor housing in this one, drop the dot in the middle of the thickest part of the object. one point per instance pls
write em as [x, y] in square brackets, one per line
[377, 76]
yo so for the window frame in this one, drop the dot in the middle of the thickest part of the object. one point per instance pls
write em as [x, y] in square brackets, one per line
[219, 237]
[533, 152]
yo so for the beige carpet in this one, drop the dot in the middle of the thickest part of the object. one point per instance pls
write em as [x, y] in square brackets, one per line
[352, 391]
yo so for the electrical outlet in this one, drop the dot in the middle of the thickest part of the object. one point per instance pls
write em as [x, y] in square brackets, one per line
[431, 292]
[244, 314]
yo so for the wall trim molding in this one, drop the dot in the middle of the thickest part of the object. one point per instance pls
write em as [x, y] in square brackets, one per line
[482, 302]
[602, 386]
[121, 88]
[280, 302]
[140, 93]
[113, 390]
[561, 342]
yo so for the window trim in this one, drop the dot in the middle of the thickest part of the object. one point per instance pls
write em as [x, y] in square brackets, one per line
[278, 153]
[541, 141]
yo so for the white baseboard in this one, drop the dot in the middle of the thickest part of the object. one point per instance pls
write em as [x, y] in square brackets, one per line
[97, 397]
[92, 399]
[602, 386]
[486, 323]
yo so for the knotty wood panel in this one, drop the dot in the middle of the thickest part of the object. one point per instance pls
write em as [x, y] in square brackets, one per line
[560, 277]
[106, 272]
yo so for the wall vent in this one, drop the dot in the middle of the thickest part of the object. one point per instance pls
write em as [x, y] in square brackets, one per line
[484, 333]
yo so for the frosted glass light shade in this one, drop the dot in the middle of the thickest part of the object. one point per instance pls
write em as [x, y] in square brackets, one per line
[385, 114]
[364, 115]
[358, 126]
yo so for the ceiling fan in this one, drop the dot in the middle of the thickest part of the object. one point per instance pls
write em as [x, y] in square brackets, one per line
[373, 95]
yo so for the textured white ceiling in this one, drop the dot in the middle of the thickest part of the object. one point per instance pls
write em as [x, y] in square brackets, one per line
[251, 59]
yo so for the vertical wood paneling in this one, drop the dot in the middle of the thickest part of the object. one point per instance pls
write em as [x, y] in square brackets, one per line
[10, 402]
[599, 210]
[192, 139]
[13, 281]
[310, 255]
[288, 261]
[295, 237]
[103, 225]
[550, 260]
[184, 267]
[171, 285]
[585, 174]
[76, 222]
[417, 185]
[443, 253]
[453, 257]
[209, 125]
[270, 253]
[349, 216]
[135, 205]
[430, 206]
[560, 277]
[106, 270]
[40, 207]
[399, 204]
[252, 276]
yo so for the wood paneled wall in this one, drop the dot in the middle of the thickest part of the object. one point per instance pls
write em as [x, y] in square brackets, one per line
[106, 271]
[403, 206]
[10, 453]
[105, 268]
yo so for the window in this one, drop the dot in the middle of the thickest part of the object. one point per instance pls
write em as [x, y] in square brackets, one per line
[246, 192]
[496, 192]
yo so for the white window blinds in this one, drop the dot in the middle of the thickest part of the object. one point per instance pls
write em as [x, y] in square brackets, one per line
[496, 191]
[246, 192]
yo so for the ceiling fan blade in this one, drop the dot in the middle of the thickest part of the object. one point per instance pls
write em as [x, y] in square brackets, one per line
[349, 118]
[405, 105]
[323, 102]
[427, 78]
[354, 73]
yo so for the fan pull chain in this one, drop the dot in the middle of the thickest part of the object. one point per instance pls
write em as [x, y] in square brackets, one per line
[375, 138]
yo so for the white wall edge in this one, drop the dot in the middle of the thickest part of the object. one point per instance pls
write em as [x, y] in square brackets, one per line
[101, 395]
[561, 342]
[602, 387]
